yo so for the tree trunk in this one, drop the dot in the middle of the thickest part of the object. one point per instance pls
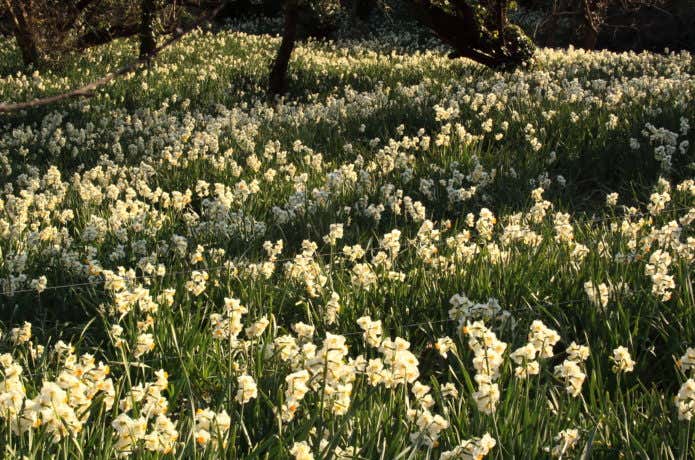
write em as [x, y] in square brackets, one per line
[590, 27]
[501, 20]
[590, 39]
[147, 40]
[277, 83]
[23, 27]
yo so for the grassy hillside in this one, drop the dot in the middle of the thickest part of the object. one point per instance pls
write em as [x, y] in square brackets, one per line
[403, 259]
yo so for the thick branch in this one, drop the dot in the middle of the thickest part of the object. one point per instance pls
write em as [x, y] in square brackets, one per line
[461, 30]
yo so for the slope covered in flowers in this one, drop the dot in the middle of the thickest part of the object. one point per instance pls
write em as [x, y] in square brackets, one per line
[410, 257]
